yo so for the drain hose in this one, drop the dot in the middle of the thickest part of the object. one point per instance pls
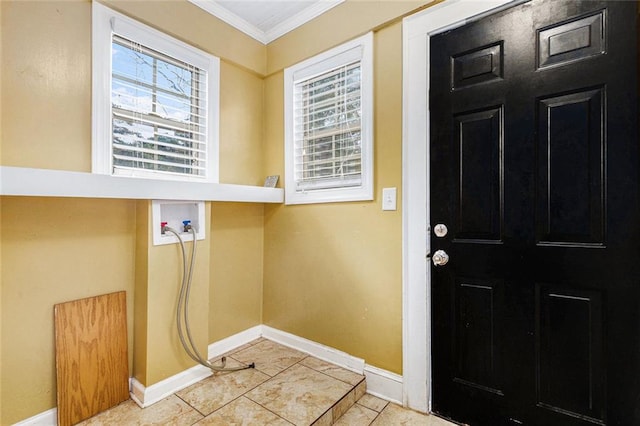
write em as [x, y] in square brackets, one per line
[182, 311]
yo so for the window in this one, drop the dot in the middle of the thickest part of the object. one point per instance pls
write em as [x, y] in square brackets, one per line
[155, 103]
[329, 125]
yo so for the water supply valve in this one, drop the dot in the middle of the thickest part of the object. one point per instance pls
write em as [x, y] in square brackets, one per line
[184, 217]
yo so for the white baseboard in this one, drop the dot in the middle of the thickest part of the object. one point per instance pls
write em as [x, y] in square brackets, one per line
[46, 418]
[318, 350]
[145, 396]
[381, 383]
[384, 384]
[227, 344]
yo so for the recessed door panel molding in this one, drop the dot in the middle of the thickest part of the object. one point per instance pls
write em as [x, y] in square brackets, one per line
[478, 151]
[571, 41]
[570, 352]
[572, 164]
[481, 65]
[475, 335]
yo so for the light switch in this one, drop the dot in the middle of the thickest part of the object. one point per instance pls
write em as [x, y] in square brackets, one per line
[388, 198]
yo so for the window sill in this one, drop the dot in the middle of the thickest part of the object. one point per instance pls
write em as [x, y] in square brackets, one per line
[21, 181]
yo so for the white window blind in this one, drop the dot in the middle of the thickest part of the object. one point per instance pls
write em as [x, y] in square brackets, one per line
[154, 103]
[328, 121]
[159, 112]
[327, 129]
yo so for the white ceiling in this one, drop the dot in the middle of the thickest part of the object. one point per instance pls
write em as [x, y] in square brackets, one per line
[266, 20]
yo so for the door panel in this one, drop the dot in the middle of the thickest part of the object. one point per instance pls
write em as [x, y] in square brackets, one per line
[571, 40]
[477, 362]
[570, 374]
[534, 169]
[480, 65]
[478, 172]
[571, 183]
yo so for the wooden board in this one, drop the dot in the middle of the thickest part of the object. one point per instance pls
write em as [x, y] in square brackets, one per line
[91, 356]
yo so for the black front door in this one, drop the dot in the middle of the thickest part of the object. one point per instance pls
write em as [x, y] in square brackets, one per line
[534, 172]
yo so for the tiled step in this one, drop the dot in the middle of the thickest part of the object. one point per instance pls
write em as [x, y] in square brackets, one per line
[342, 405]
[302, 390]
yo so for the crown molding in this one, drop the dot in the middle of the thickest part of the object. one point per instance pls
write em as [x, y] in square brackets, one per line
[301, 18]
[231, 18]
[265, 37]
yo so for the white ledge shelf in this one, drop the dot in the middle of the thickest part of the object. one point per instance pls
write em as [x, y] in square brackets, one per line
[22, 181]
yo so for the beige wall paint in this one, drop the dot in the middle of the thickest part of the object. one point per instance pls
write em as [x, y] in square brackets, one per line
[241, 113]
[2, 23]
[236, 268]
[1, 399]
[236, 239]
[46, 78]
[165, 355]
[346, 21]
[55, 250]
[226, 291]
[45, 63]
[191, 24]
[141, 300]
[333, 271]
[274, 126]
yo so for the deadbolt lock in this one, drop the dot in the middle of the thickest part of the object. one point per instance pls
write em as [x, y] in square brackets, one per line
[440, 230]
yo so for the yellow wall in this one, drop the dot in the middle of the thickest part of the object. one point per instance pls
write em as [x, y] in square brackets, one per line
[83, 247]
[333, 271]
[141, 300]
[55, 250]
[236, 268]
[46, 78]
[0, 217]
[346, 21]
[236, 242]
[241, 111]
[165, 355]
[191, 24]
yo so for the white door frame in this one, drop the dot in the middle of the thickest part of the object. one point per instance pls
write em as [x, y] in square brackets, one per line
[416, 285]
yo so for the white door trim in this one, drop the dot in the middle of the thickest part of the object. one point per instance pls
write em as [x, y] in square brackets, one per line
[416, 285]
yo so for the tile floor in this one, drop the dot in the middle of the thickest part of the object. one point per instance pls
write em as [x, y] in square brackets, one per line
[286, 388]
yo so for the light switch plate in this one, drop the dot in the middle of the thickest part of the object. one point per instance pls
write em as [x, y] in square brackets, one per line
[388, 198]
